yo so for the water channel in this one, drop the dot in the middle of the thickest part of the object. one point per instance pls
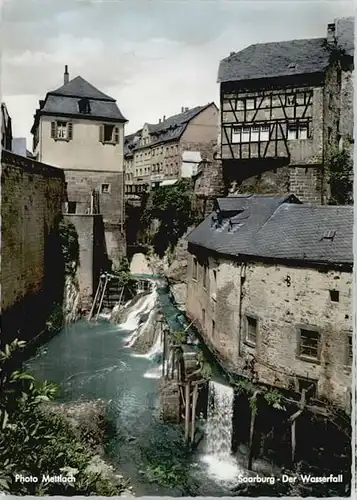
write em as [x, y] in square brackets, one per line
[95, 360]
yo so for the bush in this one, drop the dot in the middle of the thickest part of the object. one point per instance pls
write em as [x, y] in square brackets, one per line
[36, 442]
[70, 246]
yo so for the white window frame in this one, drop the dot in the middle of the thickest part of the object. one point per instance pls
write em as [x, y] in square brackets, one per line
[255, 133]
[245, 134]
[236, 134]
[264, 133]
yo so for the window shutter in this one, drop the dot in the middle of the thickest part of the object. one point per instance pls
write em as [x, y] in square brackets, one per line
[101, 133]
[116, 135]
[70, 130]
[53, 130]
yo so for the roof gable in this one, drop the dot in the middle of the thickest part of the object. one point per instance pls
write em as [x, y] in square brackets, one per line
[79, 87]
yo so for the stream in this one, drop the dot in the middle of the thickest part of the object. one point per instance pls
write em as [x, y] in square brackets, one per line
[92, 360]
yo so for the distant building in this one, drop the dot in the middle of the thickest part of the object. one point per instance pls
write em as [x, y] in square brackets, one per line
[81, 130]
[156, 153]
[6, 128]
[284, 105]
[270, 288]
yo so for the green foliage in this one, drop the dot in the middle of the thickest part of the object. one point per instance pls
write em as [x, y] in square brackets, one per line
[275, 399]
[178, 337]
[122, 272]
[35, 441]
[70, 246]
[171, 207]
[339, 168]
[206, 370]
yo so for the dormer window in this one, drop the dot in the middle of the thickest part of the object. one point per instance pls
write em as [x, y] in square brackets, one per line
[84, 106]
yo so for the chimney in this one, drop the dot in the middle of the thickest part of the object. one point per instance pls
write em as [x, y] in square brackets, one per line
[182, 109]
[159, 120]
[186, 109]
[331, 32]
[66, 75]
[163, 118]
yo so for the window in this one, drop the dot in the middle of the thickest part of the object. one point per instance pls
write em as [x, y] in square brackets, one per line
[214, 284]
[349, 356]
[310, 387]
[309, 344]
[213, 328]
[109, 134]
[251, 330]
[334, 296]
[204, 276]
[84, 106]
[245, 134]
[254, 137]
[194, 268]
[264, 133]
[72, 206]
[240, 105]
[250, 103]
[297, 131]
[203, 318]
[236, 134]
[61, 130]
[105, 188]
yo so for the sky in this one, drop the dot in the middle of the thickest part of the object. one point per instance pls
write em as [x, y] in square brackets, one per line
[152, 56]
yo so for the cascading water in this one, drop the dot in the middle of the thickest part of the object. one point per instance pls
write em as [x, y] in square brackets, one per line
[219, 430]
[145, 305]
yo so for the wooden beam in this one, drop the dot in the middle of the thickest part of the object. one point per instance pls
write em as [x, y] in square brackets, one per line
[187, 411]
[193, 416]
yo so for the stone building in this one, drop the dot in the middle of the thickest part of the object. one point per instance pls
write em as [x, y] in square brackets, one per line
[6, 128]
[81, 130]
[270, 286]
[154, 154]
[283, 105]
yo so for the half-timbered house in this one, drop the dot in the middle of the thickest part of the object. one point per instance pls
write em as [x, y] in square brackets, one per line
[273, 108]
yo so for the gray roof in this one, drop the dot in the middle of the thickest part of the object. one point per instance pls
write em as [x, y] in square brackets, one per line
[64, 101]
[79, 87]
[272, 227]
[170, 129]
[268, 60]
[345, 28]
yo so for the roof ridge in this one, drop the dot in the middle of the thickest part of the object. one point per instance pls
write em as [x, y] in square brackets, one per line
[93, 92]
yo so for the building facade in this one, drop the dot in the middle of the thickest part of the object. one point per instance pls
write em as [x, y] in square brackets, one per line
[156, 153]
[270, 286]
[81, 130]
[281, 105]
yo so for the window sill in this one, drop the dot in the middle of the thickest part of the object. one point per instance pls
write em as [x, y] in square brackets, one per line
[112, 143]
[194, 280]
[307, 359]
[213, 297]
[250, 344]
[61, 139]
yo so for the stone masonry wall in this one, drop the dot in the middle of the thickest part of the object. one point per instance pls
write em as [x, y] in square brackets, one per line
[81, 183]
[91, 254]
[31, 265]
[261, 291]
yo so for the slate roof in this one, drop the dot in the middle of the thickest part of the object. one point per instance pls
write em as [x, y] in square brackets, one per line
[174, 126]
[272, 227]
[64, 101]
[268, 60]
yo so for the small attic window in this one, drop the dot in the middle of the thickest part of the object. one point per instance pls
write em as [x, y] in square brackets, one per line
[329, 235]
[292, 66]
[84, 106]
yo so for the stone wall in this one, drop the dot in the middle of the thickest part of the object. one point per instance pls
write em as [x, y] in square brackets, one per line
[81, 183]
[32, 270]
[92, 257]
[282, 299]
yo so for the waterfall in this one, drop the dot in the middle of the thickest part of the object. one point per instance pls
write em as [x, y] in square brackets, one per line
[143, 305]
[219, 431]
